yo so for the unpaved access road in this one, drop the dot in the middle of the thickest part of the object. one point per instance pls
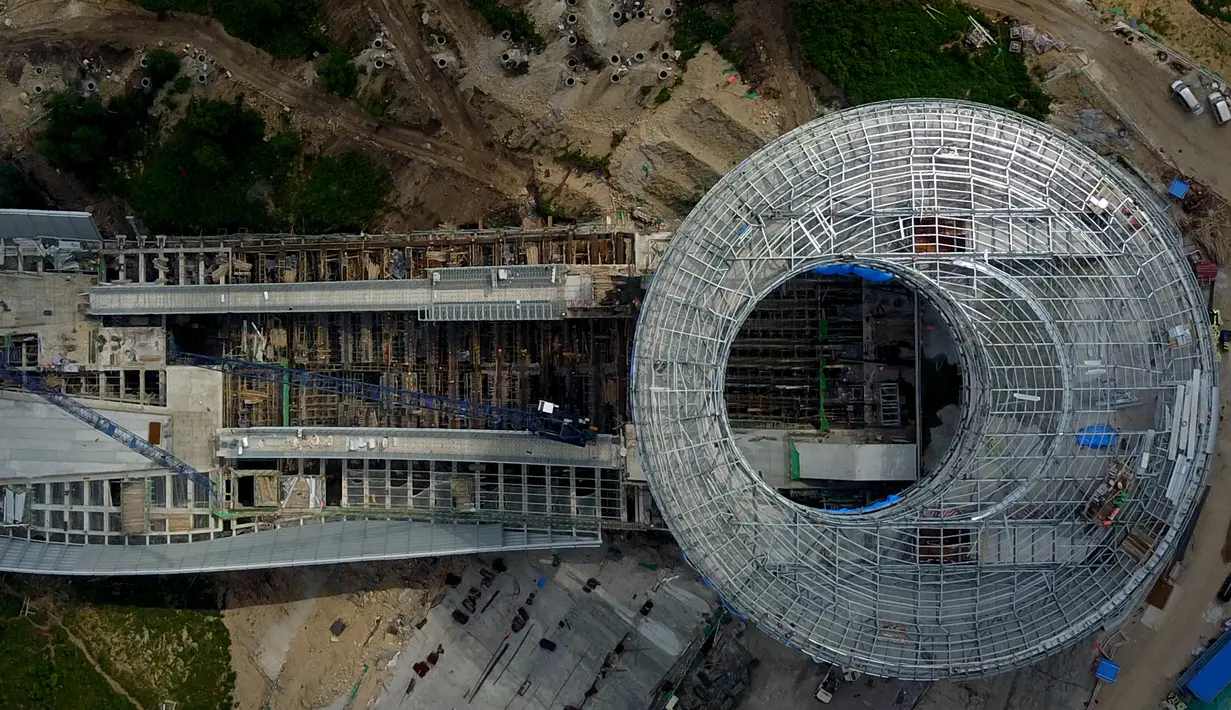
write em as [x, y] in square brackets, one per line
[1138, 83]
[254, 68]
[1151, 659]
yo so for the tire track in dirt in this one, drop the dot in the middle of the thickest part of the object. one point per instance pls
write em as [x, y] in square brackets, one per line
[253, 68]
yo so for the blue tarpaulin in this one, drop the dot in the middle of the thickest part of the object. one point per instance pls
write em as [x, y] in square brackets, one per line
[1107, 671]
[875, 506]
[1212, 671]
[1097, 436]
[862, 272]
[1178, 189]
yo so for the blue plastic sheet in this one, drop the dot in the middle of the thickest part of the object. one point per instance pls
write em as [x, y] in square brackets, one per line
[1097, 436]
[867, 508]
[863, 272]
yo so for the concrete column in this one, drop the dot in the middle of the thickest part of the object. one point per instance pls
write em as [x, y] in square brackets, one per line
[201, 270]
[141, 267]
[183, 280]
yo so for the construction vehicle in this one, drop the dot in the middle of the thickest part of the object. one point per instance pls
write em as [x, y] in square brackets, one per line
[1109, 498]
[547, 421]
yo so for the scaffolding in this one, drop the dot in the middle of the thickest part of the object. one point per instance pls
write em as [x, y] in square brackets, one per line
[1056, 275]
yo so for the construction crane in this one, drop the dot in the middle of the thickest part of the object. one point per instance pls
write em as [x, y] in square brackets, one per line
[34, 383]
[546, 421]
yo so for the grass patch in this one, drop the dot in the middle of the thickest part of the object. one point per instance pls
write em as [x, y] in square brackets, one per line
[286, 28]
[159, 654]
[663, 96]
[1158, 21]
[876, 50]
[500, 17]
[580, 160]
[337, 73]
[43, 669]
[701, 21]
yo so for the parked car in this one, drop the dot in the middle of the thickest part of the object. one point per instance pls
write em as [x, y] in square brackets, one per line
[1218, 105]
[1186, 97]
[1224, 592]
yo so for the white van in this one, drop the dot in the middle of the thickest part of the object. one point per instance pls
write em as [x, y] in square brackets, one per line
[1185, 96]
[1219, 107]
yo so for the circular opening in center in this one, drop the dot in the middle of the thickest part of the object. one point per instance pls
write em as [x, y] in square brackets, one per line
[843, 388]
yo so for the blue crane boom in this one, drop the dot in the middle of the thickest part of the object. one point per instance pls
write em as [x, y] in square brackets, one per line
[551, 425]
[35, 384]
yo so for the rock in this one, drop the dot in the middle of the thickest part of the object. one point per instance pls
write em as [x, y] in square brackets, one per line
[337, 627]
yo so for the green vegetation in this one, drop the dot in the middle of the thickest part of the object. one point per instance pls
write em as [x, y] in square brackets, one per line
[162, 66]
[335, 193]
[579, 160]
[699, 21]
[214, 170]
[200, 177]
[886, 49]
[16, 192]
[97, 142]
[180, 85]
[286, 28]
[500, 17]
[159, 654]
[1220, 9]
[43, 669]
[337, 73]
[663, 96]
[645, 90]
[375, 103]
[1158, 21]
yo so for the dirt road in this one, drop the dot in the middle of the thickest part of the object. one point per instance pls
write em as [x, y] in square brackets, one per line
[254, 68]
[1138, 84]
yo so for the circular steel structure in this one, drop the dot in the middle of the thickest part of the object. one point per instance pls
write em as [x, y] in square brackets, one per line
[1087, 360]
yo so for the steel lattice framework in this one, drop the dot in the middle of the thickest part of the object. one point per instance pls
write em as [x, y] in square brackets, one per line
[1068, 295]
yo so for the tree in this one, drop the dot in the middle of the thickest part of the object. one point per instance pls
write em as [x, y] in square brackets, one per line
[162, 66]
[337, 73]
[16, 191]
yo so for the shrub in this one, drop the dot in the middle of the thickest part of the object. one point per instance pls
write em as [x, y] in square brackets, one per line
[162, 66]
[216, 172]
[286, 28]
[337, 73]
[335, 193]
[663, 96]
[698, 22]
[500, 18]
[16, 192]
[579, 160]
[180, 85]
[95, 142]
[877, 49]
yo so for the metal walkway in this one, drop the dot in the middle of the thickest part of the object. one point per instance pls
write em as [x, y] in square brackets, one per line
[532, 292]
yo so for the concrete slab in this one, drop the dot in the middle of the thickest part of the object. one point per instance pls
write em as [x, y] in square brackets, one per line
[586, 626]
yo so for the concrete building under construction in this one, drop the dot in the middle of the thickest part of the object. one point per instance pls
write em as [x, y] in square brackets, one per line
[922, 388]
